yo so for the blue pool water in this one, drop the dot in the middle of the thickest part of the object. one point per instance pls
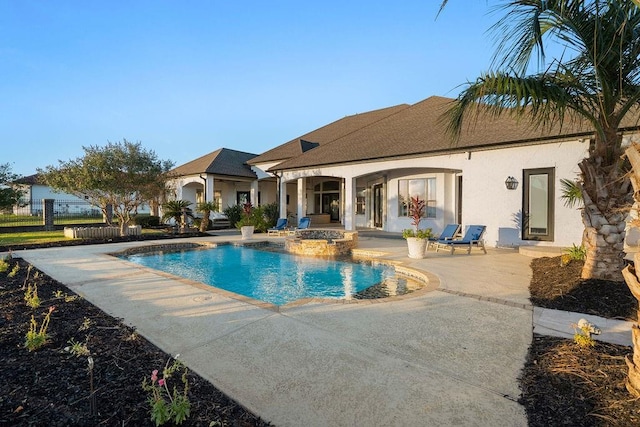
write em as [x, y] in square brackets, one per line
[274, 277]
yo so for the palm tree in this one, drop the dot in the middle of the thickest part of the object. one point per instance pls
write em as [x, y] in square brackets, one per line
[599, 85]
[206, 208]
[179, 210]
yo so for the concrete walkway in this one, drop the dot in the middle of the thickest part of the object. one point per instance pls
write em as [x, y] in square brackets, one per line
[447, 357]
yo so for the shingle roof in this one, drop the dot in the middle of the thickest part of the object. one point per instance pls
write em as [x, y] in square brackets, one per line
[223, 161]
[419, 130]
[29, 180]
[325, 134]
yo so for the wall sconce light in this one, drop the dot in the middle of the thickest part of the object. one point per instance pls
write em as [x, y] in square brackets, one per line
[511, 183]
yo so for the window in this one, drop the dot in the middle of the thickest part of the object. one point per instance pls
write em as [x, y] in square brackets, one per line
[424, 188]
[217, 197]
[360, 200]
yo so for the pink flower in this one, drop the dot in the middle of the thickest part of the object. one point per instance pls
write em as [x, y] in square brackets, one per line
[154, 375]
[161, 382]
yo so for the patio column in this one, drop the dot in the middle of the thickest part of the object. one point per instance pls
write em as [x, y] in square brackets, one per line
[254, 192]
[209, 187]
[349, 216]
[302, 197]
[283, 198]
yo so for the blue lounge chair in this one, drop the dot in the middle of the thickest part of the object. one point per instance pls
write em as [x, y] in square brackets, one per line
[449, 233]
[472, 237]
[303, 224]
[280, 227]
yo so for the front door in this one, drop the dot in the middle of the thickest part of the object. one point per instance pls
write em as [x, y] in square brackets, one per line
[331, 205]
[378, 199]
[538, 206]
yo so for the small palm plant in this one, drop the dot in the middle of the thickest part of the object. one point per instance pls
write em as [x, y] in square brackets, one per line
[179, 210]
[206, 208]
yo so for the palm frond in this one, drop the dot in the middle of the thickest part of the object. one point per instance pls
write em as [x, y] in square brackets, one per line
[571, 192]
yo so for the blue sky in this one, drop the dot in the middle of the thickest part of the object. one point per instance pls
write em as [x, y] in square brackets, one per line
[186, 78]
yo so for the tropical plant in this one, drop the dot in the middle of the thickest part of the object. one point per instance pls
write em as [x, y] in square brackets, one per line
[176, 209]
[416, 213]
[233, 213]
[271, 213]
[597, 82]
[119, 177]
[252, 216]
[205, 208]
[423, 233]
[571, 192]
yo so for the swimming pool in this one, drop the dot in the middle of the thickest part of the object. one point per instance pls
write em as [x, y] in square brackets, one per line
[274, 277]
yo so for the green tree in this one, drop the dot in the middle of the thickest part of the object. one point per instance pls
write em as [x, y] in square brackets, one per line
[122, 175]
[205, 208]
[598, 83]
[10, 193]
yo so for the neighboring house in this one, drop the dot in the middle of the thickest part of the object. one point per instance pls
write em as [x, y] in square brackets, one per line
[64, 203]
[224, 177]
[360, 171]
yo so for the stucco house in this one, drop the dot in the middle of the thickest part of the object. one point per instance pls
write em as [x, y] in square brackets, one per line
[222, 176]
[359, 172]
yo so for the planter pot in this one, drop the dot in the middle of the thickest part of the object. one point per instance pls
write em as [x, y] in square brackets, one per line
[417, 247]
[247, 232]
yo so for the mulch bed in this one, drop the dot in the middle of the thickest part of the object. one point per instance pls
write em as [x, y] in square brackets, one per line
[561, 288]
[562, 383]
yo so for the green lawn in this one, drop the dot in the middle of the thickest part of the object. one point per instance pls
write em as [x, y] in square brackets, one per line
[31, 237]
[44, 236]
[21, 220]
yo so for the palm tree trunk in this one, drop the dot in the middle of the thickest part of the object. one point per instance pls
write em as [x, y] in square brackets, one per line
[606, 194]
[204, 225]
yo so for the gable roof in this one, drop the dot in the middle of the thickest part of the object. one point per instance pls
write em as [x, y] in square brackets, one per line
[325, 134]
[420, 130]
[30, 180]
[223, 161]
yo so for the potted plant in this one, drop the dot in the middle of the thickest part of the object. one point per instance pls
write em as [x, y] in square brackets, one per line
[416, 239]
[246, 223]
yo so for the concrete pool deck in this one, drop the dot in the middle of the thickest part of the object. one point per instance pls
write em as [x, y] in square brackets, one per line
[447, 357]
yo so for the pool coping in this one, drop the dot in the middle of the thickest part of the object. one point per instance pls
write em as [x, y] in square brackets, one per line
[429, 281]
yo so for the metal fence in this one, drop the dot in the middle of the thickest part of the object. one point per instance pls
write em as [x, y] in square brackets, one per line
[64, 212]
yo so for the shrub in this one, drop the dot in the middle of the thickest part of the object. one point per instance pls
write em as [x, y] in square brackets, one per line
[271, 214]
[147, 221]
[255, 217]
[234, 213]
[576, 253]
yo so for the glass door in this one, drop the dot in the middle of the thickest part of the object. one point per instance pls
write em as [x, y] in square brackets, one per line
[538, 207]
[378, 199]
